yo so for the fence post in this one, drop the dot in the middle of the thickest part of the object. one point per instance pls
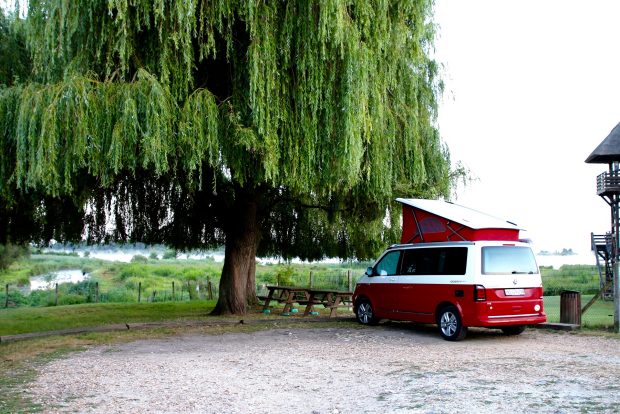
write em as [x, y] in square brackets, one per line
[153, 297]
[139, 291]
[173, 290]
[6, 301]
[56, 296]
[189, 290]
[209, 289]
[349, 280]
[96, 292]
[311, 283]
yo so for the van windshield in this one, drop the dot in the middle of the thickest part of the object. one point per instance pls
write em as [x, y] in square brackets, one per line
[501, 260]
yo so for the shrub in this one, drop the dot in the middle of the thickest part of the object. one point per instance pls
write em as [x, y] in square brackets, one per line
[153, 256]
[139, 259]
[285, 275]
[10, 253]
[170, 254]
[120, 294]
[16, 298]
[192, 274]
[71, 299]
[133, 270]
[134, 282]
[164, 271]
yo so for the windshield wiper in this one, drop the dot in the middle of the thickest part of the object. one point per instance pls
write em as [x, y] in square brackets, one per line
[515, 272]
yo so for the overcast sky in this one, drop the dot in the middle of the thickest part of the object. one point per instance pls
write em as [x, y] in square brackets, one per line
[532, 88]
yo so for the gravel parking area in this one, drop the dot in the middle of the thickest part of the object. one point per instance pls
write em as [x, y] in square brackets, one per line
[396, 368]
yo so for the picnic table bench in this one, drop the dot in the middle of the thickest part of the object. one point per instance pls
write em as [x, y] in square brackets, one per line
[329, 298]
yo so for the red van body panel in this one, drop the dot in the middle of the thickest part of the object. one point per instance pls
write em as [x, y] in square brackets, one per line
[420, 303]
[423, 226]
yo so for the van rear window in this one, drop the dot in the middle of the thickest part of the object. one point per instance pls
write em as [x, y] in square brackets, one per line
[502, 260]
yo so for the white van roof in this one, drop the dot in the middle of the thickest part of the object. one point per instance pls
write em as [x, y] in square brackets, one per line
[463, 215]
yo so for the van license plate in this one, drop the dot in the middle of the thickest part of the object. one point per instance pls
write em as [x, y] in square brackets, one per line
[514, 292]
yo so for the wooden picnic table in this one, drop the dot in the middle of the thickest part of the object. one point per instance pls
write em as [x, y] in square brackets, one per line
[329, 298]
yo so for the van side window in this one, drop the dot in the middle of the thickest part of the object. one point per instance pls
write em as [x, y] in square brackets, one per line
[435, 261]
[388, 266]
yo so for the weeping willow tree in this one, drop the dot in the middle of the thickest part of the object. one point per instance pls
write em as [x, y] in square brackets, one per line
[272, 127]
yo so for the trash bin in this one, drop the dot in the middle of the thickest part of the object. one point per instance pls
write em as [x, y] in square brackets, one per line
[570, 307]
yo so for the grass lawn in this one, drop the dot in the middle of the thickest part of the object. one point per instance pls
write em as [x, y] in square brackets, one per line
[31, 319]
[600, 315]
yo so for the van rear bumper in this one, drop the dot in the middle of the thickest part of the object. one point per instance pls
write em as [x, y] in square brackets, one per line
[505, 312]
[507, 320]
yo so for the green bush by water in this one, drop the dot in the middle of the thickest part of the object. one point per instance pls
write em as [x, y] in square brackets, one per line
[581, 278]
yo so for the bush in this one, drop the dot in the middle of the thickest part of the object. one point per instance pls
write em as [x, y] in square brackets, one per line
[139, 259]
[16, 298]
[133, 270]
[119, 295]
[165, 271]
[285, 275]
[192, 274]
[10, 253]
[153, 256]
[71, 299]
[170, 254]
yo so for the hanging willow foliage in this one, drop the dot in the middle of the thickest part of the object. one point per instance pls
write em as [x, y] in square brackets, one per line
[328, 104]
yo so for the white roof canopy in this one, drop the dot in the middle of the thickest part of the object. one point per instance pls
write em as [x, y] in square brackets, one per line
[471, 218]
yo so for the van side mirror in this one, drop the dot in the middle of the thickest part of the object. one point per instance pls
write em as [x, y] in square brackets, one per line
[368, 271]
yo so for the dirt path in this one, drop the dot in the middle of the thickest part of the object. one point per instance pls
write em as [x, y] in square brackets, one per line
[396, 368]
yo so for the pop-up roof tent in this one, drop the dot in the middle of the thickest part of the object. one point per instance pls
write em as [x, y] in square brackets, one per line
[437, 221]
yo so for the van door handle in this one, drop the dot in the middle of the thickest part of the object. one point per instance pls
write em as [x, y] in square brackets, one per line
[392, 279]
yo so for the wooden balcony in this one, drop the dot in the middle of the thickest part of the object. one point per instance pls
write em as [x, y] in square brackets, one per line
[608, 183]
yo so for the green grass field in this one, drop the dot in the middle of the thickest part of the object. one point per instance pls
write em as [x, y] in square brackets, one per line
[38, 319]
[599, 316]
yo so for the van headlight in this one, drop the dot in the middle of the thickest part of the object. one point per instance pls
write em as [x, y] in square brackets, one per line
[537, 308]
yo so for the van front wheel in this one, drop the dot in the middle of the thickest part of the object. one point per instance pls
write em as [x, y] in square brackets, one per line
[365, 313]
[450, 325]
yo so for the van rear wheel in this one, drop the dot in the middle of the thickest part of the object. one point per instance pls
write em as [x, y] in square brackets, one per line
[365, 313]
[450, 324]
[513, 330]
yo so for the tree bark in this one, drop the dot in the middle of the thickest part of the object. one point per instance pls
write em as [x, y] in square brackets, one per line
[238, 280]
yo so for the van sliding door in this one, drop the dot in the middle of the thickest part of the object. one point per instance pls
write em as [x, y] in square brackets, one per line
[428, 277]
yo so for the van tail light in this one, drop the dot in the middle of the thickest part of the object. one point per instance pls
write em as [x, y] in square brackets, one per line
[480, 293]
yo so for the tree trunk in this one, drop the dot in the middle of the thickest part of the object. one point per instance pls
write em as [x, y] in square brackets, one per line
[237, 284]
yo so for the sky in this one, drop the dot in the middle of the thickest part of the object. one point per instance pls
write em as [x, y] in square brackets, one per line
[531, 89]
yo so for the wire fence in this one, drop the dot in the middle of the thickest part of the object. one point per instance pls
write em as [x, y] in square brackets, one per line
[90, 292]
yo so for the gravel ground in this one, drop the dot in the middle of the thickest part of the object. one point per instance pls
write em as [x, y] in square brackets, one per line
[392, 368]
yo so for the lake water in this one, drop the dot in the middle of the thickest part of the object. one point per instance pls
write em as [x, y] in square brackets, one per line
[558, 261]
[48, 281]
[126, 255]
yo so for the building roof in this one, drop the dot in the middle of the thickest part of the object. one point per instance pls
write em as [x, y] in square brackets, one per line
[463, 215]
[608, 150]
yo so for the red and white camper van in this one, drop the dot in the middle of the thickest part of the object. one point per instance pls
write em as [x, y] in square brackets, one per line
[457, 268]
